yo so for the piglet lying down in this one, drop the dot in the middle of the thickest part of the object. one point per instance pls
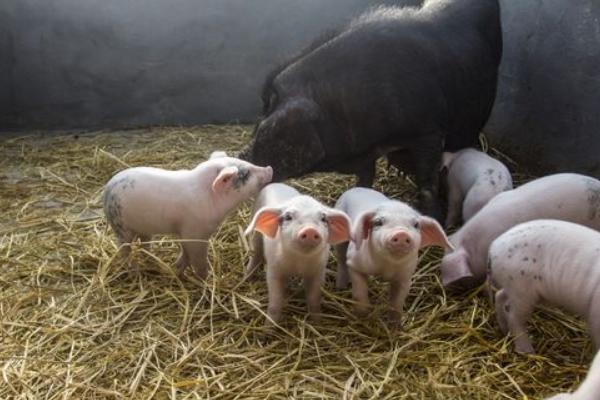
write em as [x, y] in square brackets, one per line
[553, 261]
[589, 389]
[295, 234]
[142, 202]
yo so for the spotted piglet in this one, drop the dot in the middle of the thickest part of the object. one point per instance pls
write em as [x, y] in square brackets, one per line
[387, 237]
[141, 202]
[295, 234]
[545, 260]
[589, 389]
[473, 179]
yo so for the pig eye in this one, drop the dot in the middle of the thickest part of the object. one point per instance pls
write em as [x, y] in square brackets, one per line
[416, 224]
[377, 222]
[286, 217]
[324, 219]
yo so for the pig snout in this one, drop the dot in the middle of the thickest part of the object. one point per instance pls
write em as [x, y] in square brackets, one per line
[268, 174]
[400, 242]
[309, 237]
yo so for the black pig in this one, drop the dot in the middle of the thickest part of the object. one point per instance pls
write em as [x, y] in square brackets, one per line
[415, 81]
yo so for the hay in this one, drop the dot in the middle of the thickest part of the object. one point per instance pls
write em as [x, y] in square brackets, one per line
[77, 323]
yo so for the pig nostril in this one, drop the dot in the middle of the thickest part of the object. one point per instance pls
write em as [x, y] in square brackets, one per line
[303, 236]
[407, 241]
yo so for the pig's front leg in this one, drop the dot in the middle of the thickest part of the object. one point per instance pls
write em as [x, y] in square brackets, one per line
[427, 154]
[312, 286]
[360, 292]
[181, 263]
[257, 257]
[276, 284]
[398, 292]
[341, 278]
[197, 254]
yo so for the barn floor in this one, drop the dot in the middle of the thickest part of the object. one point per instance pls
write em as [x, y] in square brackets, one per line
[76, 322]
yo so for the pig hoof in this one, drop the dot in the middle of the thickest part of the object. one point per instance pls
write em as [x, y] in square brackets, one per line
[361, 312]
[524, 348]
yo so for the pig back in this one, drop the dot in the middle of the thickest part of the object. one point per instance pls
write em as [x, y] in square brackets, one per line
[568, 197]
[358, 200]
[275, 194]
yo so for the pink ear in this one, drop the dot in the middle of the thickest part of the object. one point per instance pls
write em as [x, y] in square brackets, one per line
[432, 234]
[339, 227]
[223, 180]
[362, 228]
[266, 221]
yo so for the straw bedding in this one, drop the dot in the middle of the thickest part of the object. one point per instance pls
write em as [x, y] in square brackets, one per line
[77, 322]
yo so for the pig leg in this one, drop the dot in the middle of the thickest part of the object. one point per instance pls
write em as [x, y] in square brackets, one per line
[276, 288]
[500, 304]
[455, 199]
[367, 175]
[341, 278]
[517, 313]
[398, 293]
[427, 154]
[594, 325]
[360, 292]
[312, 286]
[257, 257]
[182, 263]
[197, 254]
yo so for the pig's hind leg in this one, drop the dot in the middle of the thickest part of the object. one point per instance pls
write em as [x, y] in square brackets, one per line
[455, 199]
[518, 308]
[341, 277]
[500, 304]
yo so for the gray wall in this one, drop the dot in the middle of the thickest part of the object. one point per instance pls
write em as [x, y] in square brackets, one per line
[88, 63]
[547, 112]
[115, 63]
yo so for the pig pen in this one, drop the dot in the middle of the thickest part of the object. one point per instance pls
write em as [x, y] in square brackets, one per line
[77, 322]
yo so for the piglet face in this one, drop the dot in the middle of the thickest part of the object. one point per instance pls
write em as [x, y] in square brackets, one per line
[302, 225]
[238, 178]
[395, 230]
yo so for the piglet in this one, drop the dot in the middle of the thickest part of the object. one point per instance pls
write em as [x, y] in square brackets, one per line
[387, 237]
[568, 197]
[545, 260]
[473, 179]
[589, 389]
[141, 202]
[295, 234]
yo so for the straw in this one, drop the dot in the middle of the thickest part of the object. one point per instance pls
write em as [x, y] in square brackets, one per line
[77, 322]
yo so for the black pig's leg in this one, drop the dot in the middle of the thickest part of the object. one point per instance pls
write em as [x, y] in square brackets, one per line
[427, 155]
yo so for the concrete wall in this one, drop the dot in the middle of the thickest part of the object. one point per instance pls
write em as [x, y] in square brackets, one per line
[115, 63]
[89, 63]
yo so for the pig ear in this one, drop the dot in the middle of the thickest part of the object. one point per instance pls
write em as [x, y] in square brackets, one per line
[362, 227]
[224, 179]
[339, 227]
[432, 234]
[217, 154]
[266, 221]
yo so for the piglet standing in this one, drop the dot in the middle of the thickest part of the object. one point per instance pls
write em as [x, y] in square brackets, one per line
[473, 179]
[553, 261]
[295, 234]
[387, 237]
[141, 202]
[567, 197]
[589, 389]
